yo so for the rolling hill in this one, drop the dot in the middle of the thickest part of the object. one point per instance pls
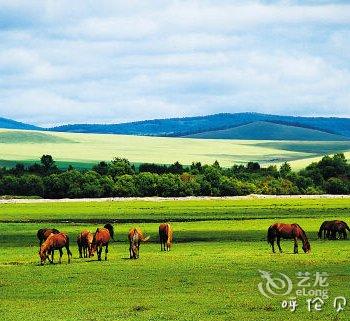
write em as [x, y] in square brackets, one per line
[178, 127]
[225, 126]
[262, 130]
[12, 124]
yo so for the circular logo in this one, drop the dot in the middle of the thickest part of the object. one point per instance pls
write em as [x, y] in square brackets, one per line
[274, 286]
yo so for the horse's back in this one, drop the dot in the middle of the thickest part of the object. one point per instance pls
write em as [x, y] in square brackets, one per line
[102, 236]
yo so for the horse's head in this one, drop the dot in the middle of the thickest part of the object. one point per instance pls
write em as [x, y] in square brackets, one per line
[92, 249]
[307, 247]
[43, 256]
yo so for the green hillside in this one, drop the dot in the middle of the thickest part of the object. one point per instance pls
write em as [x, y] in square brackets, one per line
[262, 130]
[30, 137]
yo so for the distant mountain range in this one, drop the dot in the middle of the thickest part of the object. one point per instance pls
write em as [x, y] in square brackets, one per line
[253, 126]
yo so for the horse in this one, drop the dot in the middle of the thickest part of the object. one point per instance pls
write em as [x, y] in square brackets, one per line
[101, 238]
[84, 242]
[329, 229]
[54, 242]
[287, 231]
[135, 237]
[165, 236]
[43, 234]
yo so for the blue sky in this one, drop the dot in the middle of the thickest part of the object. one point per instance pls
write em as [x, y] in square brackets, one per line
[116, 61]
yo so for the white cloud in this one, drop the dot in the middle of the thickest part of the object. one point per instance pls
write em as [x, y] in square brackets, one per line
[109, 62]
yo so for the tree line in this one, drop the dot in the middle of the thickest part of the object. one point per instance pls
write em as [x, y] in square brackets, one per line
[120, 178]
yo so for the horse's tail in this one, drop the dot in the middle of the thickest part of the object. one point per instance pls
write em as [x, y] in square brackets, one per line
[67, 246]
[142, 238]
[110, 228]
[170, 236]
[321, 230]
[271, 234]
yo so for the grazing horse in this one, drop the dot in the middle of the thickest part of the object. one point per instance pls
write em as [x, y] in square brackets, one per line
[44, 233]
[287, 231]
[329, 229]
[84, 242]
[54, 242]
[135, 237]
[101, 238]
[165, 236]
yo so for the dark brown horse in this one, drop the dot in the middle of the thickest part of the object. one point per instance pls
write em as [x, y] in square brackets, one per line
[101, 239]
[44, 233]
[165, 236]
[135, 237]
[329, 229]
[287, 231]
[84, 242]
[54, 242]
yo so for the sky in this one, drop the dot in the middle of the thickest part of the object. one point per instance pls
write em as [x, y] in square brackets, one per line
[116, 61]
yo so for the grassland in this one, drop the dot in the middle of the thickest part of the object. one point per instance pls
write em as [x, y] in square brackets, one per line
[210, 274]
[82, 150]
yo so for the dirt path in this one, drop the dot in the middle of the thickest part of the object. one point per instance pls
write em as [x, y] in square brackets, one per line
[160, 199]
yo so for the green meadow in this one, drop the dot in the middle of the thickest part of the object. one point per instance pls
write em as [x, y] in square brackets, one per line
[84, 150]
[211, 273]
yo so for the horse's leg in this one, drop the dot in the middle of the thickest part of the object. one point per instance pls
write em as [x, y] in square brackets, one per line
[272, 242]
[80, 252]
[99, 252]
[279, 243]
[52, 253]
[130, 250]
[61, 254]
[106, 251]
[295, 245]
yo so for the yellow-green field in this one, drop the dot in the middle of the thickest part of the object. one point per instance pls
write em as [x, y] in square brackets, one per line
[91, 148]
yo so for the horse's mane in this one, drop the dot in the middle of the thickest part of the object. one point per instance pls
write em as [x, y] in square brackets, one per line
[302, 231]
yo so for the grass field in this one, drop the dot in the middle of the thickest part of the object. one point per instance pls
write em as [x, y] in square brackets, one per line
[83, 150]
[210, 274]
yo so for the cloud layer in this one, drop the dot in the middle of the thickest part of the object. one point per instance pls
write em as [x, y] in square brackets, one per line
[116, 61]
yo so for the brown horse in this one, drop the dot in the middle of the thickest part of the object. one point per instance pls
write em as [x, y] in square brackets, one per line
[54, 242]
[135, 237]
[44, 233]
[329, 229]
[165, 236]
[287, 231]
[84, 242]
[101, 238]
